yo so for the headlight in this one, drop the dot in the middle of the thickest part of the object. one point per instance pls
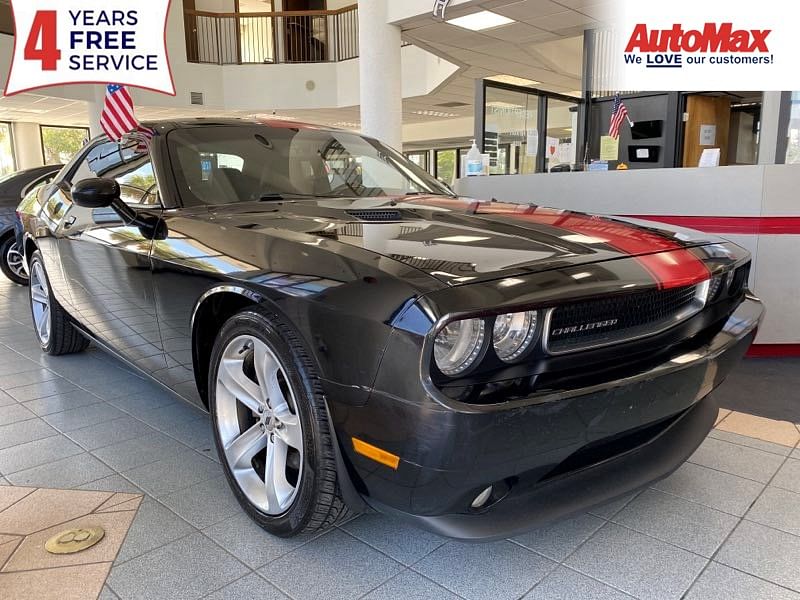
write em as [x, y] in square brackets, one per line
[513, 334]
[458, 345]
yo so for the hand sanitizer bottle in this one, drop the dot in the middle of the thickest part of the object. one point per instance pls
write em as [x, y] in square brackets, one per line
[474, 161]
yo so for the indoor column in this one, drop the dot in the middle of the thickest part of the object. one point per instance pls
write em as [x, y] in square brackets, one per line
[381, 76]
[94, 108]
[28, 145]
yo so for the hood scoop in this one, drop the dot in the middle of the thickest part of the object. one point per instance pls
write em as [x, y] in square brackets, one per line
[382, 214]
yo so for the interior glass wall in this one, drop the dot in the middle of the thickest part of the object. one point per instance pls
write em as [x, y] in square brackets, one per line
[793, 145]
[511, 123]
[562, 124]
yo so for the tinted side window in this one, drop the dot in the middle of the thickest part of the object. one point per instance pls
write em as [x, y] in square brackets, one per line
[132, 169]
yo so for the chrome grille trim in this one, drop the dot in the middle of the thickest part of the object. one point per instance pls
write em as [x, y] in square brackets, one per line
[692, 307]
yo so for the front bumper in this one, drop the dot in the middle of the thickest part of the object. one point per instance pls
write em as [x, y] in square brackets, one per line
[549, 457]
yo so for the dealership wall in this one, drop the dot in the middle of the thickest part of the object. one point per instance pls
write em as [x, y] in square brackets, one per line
[258, 87]
[757, 195]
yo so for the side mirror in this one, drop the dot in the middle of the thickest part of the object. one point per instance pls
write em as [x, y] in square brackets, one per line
[95, 193]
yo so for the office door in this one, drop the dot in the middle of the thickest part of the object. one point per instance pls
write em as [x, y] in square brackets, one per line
[707, 126]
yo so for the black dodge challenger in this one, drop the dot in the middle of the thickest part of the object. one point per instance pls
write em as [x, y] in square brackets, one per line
[364, 338]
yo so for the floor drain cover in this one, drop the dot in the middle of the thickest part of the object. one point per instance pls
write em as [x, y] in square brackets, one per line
[74, 540]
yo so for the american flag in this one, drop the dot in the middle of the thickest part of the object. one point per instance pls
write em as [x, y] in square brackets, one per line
[117, 117]
[618, 113]
[145, 136]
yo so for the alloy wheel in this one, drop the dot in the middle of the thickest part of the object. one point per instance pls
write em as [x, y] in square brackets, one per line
[16, 261]
[259, 425]
[40, 302]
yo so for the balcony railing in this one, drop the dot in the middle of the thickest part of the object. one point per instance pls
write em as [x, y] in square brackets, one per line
[271, 37]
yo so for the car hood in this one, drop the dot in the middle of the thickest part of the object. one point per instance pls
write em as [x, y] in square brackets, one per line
[459, 240]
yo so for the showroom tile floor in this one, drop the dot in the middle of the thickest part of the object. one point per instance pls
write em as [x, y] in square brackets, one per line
[725, 526]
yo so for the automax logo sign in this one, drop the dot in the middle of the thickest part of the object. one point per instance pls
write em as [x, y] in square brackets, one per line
[706, 45]
[60, 42]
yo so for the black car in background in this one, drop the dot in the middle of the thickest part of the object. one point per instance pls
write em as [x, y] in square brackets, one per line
[13, 187]
[362, 337]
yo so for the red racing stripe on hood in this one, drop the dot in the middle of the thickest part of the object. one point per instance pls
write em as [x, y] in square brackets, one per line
[666, 260]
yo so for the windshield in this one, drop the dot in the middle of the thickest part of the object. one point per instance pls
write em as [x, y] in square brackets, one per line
[227, 164]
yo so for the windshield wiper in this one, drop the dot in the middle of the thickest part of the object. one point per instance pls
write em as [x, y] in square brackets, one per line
[273, 196]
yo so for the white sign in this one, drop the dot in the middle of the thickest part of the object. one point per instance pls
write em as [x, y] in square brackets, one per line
[551, 147]
[565, 153]
[61, 42]
[643, 153]
[708, 135]
[709, 158]
[711, 45]
[532, 142]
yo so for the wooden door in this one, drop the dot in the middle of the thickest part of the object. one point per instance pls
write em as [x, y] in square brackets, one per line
[190, 30]
[705, 111]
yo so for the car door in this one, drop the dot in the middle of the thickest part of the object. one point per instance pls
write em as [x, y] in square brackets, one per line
[106, 261]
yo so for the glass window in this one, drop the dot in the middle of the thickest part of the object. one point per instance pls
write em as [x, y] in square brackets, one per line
[223, 165]
[8, 164]
[60, 144]
[133, 170]
[419, 158]
[447, 166]
[793, 147]
[562, 121]
[511, 121]
[743, 136]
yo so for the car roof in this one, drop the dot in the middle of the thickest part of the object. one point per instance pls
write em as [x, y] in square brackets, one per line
[187, 123]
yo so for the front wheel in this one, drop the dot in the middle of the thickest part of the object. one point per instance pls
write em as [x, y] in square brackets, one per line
[51, 323]
[271, 426]
[12, 263]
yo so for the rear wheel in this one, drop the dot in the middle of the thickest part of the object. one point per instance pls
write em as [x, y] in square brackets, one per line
[52, 324]
[12, 263]
[271, 426]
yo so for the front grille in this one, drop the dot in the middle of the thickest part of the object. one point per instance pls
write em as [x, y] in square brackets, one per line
[605, 321]
[375, 214]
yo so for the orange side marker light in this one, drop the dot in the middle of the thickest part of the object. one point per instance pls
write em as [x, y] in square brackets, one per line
[376, 454]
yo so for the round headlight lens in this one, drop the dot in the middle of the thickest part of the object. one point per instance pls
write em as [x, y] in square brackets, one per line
[513, 334]
[458, 345]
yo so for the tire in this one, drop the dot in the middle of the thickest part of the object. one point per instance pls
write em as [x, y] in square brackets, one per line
[11, 261]
[60, 336]
[312, 497]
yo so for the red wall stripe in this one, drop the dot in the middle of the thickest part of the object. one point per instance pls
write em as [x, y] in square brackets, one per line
[773, 350]
[740, 225]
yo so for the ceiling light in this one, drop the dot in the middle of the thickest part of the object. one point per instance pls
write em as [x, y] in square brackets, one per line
[462, 239]
[579, 238]
[433, 113]
[480, 20]
[513, 80]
